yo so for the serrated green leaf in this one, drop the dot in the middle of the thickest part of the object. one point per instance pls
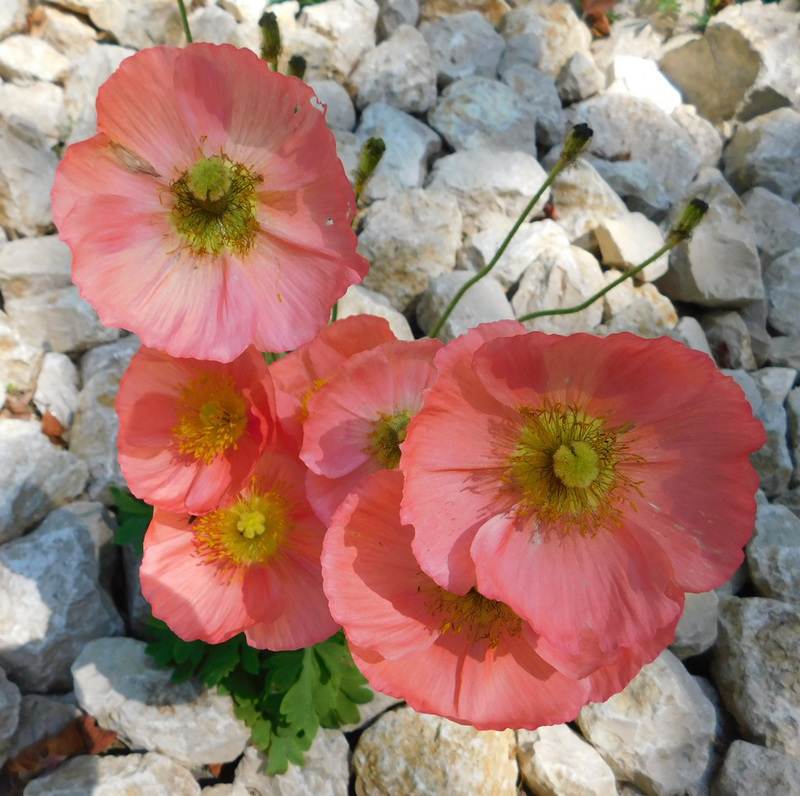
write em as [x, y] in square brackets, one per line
[245, 709]
[220, 660]
[261, 733]
[128, 504]
[251, 659]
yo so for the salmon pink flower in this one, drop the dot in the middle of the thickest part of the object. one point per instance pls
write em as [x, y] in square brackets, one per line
[585, 482]
[252, 565]
[299, 374]
[210, 211]
[463, 656]
[191, 431]
[357, 422]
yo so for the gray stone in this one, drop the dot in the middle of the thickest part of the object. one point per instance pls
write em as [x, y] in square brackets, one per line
[394, 13]
[579, 79]
[539, 91]
[59, 319]
[408, 239]
[477, 113]
[773, 554]
[339, 111]
[360, 300]
[560, 278]
[410, 145]
[774, 462]
[485, 301]
[785, 351]
[629, 240]
[153, 774]
[420, 755]
[755, 670]
[41, 716]
[719, 266]
[658, 732]
[691, 334]
[142, 24]
[66, 32]
[213, 24]
[325, 772]
[556, 760]
[10, 699]
[793, 416]
[729, 339]
[123, 688]
[27, 169]
[398, 71]
[57, 388]
[463, 45]
[39, 105]
[757, 771]
[782, 281]
[627, 126]
[766, 152]
[38, 476]
[632, 181]
[776, 223]
[486, 182]
[697, 629]
[25, 58]
[111, 356]
[50, 605]
[34, 265]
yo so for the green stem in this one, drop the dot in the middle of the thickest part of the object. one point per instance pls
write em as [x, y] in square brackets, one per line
[671, 243]
[557, 169]
[185, 22]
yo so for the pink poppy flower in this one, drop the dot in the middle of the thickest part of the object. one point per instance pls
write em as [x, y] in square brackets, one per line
[301, 373]
[462, 656]
[210, 212]
[191, 431]
[586, 482]
[357, 422]
[252, 565]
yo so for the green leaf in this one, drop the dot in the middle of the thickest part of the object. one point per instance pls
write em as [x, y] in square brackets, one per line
[220, 661]
[261, 730]
[133, 518]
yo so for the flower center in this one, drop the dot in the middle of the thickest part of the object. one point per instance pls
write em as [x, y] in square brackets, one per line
[212, 416]
[474, 615]
[388, 434]
[251, 531]
[216, 207]
[565, 468]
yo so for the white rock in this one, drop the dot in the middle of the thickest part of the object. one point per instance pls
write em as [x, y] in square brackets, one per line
[420, 755]
[486, 182]
[584, 201]
[408, 239]
[658, 732]
[697, 628]
[12, 15]
[339, 111]
[628, 74]
[349, 27]
[34, 265]
[560, 278]
[774, 462]
[729, 339]
[144, 23]
[360, 300]
[782, 280]
[38, 476]
[111, 356]
[463, 45]
[213, 24]
[39, 105]
[108, 775]
[394, 13]
[649, 315]
[705, 137]
[60, 319]
[19, 360]
[10, 699]
[250, 10]
[410, 145]
[555, 760]
[123, 688]
[27, 169]
[539, 90]
[478, 113]
[556, 26]
[766, 152]
[50, 605]
[579, 78]
[757, 771]
[25, 58]
[66, 32]
[629, 240]
[774, 553]
[493, 10]
[325, 773]
[691, 334]
[484, 302]
[398, 71]
[776, 222]
[719, 266]
[57, 388]
[755, 670]
[632, 181]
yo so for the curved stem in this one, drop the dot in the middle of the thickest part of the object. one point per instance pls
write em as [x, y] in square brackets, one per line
[671, 242]
[185, 22]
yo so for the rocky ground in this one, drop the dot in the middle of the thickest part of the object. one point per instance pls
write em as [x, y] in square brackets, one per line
[472, 98]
